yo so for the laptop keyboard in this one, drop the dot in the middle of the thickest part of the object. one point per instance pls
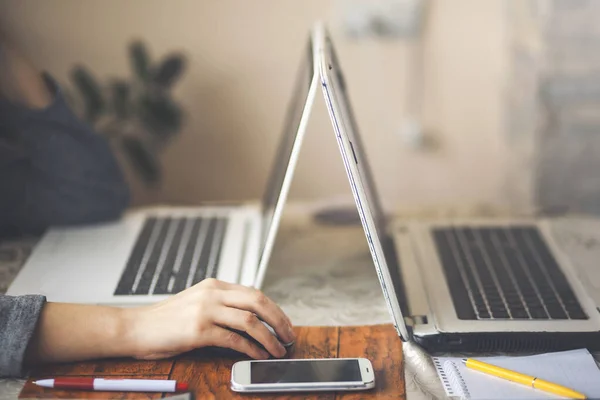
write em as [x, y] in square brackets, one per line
[172, 254]
[504, 273]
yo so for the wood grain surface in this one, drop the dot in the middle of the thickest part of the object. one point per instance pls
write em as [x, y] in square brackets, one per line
[208, 371]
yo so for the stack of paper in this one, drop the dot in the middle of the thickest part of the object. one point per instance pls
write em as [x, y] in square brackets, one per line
[575, 369]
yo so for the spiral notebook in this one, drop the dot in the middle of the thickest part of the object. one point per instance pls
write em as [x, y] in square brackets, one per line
[575, 369]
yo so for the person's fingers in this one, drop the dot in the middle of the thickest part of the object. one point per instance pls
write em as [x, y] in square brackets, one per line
[254, 300]
[225, 338]
[233, 286]
[211, 283]
[248, 322]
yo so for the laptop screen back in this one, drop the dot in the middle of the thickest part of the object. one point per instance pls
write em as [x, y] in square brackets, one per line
[360, 178]
[347, 114]
[283, 167]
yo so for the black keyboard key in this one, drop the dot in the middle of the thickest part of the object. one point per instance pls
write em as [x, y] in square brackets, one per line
[469, 235]
[481, 307]
[538, 313]
[515, 264]
[493, 296]
[213, 266]
[500, 314]
[133, 263]
[514, 305]
[556, 312]
[478, 300]
[169, 262]
[194, 244]
[450, 259]
[519, 314]
[143, 284]
[577, 313]
[484, 315]
[567, 295]
[495, 300]
[200, 267]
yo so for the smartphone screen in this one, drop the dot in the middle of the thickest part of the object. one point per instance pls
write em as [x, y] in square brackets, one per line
[305, 371]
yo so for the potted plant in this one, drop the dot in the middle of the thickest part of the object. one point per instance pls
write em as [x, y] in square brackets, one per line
[138, 114]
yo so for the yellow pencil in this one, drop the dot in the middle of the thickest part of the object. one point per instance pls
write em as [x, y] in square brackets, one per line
[522, 379]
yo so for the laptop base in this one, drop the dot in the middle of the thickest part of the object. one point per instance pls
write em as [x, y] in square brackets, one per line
[509, 342]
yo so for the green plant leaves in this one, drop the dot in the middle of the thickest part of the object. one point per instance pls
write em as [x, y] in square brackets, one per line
[160, 115]
[140, 60]
[169, 70]
[142, 159]
[120, 94]
[90, 92]
[138, 112]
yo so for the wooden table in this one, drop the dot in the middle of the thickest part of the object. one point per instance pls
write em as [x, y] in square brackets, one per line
[208, 376]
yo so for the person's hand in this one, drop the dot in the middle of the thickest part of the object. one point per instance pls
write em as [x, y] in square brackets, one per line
[201, 315]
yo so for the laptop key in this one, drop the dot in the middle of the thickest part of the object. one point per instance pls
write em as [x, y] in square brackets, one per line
[169, 261]
[202, 263]
[577, 313]
[519, 313]
[515, 305]
[133, 263]
[150, 267]
[482, 312]
[181, 275]
[556, 313]
[460, 282]
[538, 313]
[500, 314]
[213, 266]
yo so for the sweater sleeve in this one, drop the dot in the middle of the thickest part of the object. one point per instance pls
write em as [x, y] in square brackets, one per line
[55, 169]
[18, 319]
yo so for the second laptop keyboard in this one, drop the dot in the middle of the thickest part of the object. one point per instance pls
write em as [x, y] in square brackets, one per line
[504, 273]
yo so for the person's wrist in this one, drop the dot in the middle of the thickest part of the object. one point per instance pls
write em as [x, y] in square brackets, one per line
[130, 342]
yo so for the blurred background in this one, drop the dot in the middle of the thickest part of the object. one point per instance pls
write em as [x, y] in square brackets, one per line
[460, 103]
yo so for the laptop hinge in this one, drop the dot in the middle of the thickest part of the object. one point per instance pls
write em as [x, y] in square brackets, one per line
[415, 320]
[419, 320]
[391, 257]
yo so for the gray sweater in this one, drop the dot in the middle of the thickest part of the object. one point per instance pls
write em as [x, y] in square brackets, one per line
[18, 319]
[54, 170]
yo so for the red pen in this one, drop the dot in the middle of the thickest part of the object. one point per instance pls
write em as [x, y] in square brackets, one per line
[114, 385]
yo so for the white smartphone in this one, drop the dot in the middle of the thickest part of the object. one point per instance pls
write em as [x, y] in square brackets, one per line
[301, 375]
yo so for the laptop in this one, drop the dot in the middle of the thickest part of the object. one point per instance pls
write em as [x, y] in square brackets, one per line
[468, 285]
[153, 253]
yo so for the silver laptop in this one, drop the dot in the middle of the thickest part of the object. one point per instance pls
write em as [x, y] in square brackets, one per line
[153, 253]
[465, 285]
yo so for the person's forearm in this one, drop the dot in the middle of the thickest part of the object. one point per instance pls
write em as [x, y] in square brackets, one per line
[210, 313]
[73, 332]
[20, 81]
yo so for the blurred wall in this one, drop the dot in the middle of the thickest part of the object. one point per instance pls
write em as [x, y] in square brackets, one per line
[242, 61]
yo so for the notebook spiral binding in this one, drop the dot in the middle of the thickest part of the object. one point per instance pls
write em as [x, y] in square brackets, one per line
[452, 380]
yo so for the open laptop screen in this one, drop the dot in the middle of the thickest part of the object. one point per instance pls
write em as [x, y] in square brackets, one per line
[366, 176]
[286, 145]
[360, 179]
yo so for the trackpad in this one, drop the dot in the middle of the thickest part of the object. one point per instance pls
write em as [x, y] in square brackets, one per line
[593, 275]
[580, 241]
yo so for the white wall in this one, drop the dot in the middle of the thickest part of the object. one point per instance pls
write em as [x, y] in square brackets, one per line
[243, 57]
